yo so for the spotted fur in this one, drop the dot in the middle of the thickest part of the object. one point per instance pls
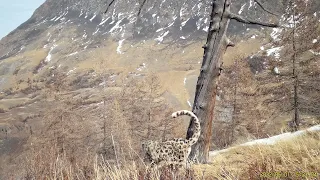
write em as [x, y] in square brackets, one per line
[175, 151]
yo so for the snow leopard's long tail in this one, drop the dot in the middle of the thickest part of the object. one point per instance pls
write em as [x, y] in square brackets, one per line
[196, 133]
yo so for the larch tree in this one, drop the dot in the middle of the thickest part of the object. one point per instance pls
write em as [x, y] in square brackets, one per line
[300, 40]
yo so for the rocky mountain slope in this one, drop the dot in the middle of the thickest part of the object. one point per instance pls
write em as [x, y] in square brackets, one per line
[76, 38]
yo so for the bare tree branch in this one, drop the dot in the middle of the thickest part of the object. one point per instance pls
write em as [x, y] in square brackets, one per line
[141, 6]
[266, 10]
[109, 6]
[247, 21]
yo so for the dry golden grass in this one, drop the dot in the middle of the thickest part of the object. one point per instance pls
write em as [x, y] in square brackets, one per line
[10, 103]
[173, 82]
[49, 164]
[299, 158]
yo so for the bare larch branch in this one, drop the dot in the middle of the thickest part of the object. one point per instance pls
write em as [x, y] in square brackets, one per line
[109, 6]
[248, 21]
[265, 9]
[141, 6]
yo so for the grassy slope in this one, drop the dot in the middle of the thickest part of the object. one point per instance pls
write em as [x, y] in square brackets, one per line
[297, 158]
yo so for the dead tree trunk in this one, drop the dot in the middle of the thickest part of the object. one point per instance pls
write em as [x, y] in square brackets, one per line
[295, 76]
[205, 96]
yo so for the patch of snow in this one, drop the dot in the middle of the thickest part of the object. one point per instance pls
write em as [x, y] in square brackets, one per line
[169, 25]
[154, 15]
[314, 41]
[84, 36]
[121, 15]
[215, 153]
[96, 31]
[253, 37]
[184, 81]
[116, 26]
[206, 29]
[275, 34]
[41, 22]
[22, 47]
[199, 7]
[271, 140]
[59, 17]
[104, 21]
[160, 38]
[241, 9]
[315, 53]
[94, 16]
[189, 103]
[261, 48]
[182, 37]
[184, 22]
[49, 38]
[69, 72]
[198, 23]
[53, 18]
[103, 83]
[72, 54]
[276, 70]
[132, 18]
[120, 46]
[81, 12]
[158, 30]
[251, 3]
[274, 51]
[49, 56]
[285, 136]
[183, 11]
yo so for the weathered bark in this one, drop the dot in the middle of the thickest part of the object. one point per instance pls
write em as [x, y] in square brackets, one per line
[296, 120]
[205, 95]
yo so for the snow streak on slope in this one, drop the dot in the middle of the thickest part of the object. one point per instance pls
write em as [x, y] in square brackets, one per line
[120, 46]
[271, 140]
[49, 56]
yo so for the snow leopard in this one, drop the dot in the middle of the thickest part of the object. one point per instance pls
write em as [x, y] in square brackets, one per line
[172, 152]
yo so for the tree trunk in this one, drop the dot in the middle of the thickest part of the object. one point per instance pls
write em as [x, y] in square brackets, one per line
[296, 120]
[205, 95]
